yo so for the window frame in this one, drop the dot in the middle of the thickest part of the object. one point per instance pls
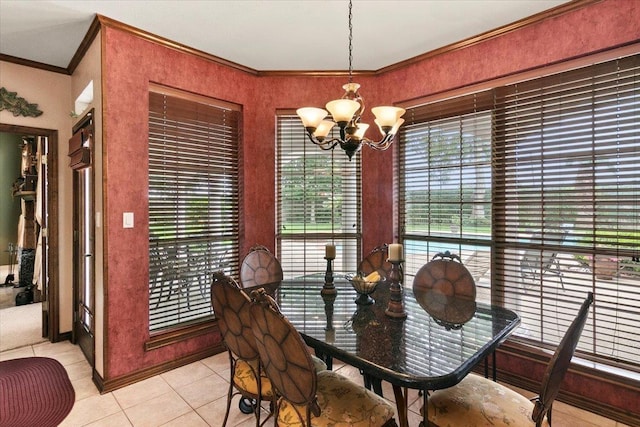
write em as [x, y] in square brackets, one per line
[344, 203]
[208, 130]
[554, 241]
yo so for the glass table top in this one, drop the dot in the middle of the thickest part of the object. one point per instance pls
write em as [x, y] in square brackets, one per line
[420, 351]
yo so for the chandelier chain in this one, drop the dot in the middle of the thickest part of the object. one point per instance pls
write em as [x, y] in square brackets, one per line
[350, 44]
[346, 113]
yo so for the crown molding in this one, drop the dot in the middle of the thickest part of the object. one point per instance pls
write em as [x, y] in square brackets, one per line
[33, 64]
[497, 32]
[101, 21]
[112, 23]
[92, 33]
[318, 73]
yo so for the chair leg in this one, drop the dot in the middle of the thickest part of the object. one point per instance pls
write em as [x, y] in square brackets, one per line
[229, 397]
[549, 414]
[391, 423]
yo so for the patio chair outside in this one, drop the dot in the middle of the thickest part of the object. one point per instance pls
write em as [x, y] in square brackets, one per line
[534, 263]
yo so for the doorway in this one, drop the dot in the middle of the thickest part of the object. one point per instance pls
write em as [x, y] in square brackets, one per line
[80, 153]
[44, 274]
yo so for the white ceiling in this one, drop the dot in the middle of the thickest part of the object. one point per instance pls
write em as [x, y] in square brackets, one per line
[265, 35]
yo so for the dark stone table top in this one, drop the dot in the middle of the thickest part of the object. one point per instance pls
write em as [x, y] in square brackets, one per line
[420, 351]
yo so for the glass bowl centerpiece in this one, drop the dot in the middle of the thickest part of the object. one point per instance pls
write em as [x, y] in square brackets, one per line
[364, 286]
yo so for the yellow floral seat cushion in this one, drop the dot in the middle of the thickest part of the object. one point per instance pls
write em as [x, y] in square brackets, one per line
[342, 403]
[476, 402]
[244, 377]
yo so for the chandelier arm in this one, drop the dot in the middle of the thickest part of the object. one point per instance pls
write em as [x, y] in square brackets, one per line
[381, 145]
[327, 144]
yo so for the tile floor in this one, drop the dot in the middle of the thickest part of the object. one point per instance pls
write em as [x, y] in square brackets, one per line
[195, 395]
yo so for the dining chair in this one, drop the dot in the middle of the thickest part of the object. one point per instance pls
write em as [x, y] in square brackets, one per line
[232, 310]
[477, 401]
[260, 268]
[446, 290]
[376, 260]
[306, 397]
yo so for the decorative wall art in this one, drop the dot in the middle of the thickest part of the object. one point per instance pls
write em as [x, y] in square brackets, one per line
[17, 105]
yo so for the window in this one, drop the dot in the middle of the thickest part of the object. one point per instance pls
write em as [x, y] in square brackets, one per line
[445, 186]
[193, 203]
[565, 200]
[568, 202]
[318, 196]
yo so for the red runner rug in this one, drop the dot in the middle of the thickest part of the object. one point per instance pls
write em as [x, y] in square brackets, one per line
[35, 391]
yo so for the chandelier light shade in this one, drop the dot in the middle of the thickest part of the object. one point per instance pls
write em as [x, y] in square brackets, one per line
[346, 113]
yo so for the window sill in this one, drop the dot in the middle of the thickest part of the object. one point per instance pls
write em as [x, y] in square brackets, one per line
[626, 377]
[180, 334]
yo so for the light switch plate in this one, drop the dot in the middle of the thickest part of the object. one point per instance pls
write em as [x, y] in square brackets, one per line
[127, 220]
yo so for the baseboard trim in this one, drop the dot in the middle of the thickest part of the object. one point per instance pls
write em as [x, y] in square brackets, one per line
[106, 386]
[587, 401]
[65, 336]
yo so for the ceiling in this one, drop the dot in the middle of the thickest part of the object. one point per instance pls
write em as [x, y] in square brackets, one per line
[265, 35]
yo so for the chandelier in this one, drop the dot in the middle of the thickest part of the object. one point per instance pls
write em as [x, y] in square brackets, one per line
[346, 113]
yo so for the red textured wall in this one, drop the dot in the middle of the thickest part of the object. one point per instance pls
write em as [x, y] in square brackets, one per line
[132, 62]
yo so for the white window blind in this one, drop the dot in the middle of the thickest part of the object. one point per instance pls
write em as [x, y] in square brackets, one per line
[318, 197]
[565, 200]
[193, 203]
[445, 185]
[567, 204]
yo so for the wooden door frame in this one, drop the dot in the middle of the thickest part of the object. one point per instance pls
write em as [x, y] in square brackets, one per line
[86, 123]
[53, 294]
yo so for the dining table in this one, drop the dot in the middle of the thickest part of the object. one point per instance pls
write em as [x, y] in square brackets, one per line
[423, 350]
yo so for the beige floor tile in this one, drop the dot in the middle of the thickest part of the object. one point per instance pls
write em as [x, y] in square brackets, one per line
[119, 419]
[225, 374]
[48, 349]
[91, 409]
[78, 370]
[141, 391]
[218, 363]
[190, 419]
[414, 418]
[213, 413]
[17, 353]
[249, 422]
[203, 391]
[84, 387]
[563, 420]
[69, 357]
[412, 394]
[157, 411]
[186, 374]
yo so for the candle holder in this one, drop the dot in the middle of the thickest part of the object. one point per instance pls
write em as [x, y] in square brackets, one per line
[328, 288]
[395, 307]
[328, 299]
